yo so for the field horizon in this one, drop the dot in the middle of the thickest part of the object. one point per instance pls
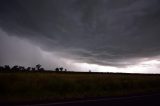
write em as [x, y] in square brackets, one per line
[44, 86]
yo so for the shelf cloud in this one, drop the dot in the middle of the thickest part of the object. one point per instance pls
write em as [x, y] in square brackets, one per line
[103, 32]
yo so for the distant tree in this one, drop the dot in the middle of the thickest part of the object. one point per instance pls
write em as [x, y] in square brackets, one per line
[57, 69]
[33, 69]
[41, 69]
[15, 68]
[1, 68]
[7, 68]
[61, 69]
[28, 69]
[38, 66]
[65, 70]
[21, 68]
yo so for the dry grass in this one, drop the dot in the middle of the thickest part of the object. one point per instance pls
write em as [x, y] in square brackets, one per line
[28, 86]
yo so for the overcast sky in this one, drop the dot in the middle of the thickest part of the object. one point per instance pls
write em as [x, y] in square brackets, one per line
[81, 35]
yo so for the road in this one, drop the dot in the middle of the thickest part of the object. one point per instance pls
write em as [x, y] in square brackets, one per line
[145, 100]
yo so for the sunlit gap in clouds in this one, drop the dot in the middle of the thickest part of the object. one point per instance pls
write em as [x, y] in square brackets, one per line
[150, 66]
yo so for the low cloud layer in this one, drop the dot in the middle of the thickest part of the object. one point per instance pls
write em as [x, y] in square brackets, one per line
[103, 32]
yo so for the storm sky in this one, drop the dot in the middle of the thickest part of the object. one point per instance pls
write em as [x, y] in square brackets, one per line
[81, 35]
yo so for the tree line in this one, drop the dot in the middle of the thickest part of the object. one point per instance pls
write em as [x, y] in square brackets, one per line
[38, 67]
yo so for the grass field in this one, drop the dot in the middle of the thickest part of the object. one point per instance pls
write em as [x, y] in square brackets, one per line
[30, 86]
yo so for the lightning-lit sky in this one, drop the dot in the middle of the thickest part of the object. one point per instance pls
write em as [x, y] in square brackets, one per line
[81, 35]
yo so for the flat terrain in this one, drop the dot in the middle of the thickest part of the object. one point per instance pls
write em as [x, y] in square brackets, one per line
[16, 87]
[143, 100]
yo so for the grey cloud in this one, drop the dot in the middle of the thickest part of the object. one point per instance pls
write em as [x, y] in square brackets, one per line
[17, 51]
[105, 32]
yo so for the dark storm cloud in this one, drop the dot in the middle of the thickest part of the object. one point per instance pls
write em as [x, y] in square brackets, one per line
[105, 32]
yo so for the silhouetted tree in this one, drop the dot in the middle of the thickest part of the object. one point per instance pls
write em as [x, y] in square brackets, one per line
[65, 70]
[61, 69]
[33, 69]
[38, 66]
[57, 69]
[21, 68]
[15, 68]
[28, 69]
[7, 68]
[41, 69]
[1, 68]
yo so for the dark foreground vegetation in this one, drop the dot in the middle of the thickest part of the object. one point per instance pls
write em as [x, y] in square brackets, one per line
[41, 86]
[16, 68]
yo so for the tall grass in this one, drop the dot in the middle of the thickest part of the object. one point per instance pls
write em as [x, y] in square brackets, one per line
[27, 86]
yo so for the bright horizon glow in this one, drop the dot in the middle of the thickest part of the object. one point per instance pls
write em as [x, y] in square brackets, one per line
[146, 66]
[150, 66]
